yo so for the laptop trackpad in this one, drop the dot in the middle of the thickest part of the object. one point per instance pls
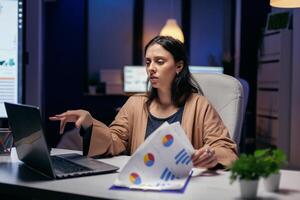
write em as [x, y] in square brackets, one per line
[87, 162]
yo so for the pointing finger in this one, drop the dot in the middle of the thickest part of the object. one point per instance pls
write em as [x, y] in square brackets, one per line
[78, 123]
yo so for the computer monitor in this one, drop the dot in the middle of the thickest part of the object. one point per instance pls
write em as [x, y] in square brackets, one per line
[11, 53]
[279, 20]
[135, 79]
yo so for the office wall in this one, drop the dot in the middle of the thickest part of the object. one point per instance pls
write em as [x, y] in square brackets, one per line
[64, 60]
[110, 30]
[156, 13]
[237, 37]
[34, 48]
[207, 30]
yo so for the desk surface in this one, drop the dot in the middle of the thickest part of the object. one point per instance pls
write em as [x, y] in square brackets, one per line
[16, 179]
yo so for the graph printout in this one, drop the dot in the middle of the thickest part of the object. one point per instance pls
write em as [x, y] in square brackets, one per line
[162, 162]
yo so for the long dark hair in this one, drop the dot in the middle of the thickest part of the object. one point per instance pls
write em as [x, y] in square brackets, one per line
[183, 84]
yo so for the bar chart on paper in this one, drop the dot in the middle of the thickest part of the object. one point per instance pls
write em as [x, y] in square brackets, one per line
[182, 157]
[167, 175]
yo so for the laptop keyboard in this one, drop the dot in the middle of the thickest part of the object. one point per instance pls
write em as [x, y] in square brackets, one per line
[66, 166]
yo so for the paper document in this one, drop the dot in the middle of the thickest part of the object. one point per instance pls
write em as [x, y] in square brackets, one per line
[162, 162]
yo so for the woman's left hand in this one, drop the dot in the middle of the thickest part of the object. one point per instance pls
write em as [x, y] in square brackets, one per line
[204, 157]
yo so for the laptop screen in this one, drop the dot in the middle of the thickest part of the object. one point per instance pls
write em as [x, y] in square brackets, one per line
[26, 125]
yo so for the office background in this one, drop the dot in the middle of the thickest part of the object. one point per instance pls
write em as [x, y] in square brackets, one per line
[69, 40]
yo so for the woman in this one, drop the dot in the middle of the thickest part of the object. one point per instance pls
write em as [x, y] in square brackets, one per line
[173, 97]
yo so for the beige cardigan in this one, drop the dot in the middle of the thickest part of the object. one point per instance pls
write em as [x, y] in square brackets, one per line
[202, 125]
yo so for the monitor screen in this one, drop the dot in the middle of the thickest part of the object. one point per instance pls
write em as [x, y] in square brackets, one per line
[278, 20]
[135, 79]
[206, 69]
[11, 54]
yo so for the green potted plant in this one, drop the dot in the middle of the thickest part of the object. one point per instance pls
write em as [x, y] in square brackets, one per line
[247, 169]
[273, 160]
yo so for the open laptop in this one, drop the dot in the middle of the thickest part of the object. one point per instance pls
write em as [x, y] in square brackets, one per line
[27, 130]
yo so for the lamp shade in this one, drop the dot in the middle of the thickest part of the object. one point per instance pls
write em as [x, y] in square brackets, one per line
[172, 29]
[285, 3]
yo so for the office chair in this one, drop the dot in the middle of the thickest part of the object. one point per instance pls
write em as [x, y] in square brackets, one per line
[227, 96]
[243, 134]
[245, 86]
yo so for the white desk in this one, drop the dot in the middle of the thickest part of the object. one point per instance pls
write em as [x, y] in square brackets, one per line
[17, 180]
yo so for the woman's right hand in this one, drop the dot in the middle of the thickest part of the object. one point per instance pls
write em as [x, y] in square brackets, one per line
[80, 117]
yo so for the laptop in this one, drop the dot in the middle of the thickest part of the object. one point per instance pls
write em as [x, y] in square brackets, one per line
[27, 130]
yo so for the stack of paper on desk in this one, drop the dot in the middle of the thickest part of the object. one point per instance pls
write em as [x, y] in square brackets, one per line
[162, 162]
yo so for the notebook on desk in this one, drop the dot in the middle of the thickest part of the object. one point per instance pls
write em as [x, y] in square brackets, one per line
[27, 130]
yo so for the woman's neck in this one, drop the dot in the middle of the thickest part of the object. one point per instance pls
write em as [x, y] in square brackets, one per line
[163, 106]
[164, 98]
